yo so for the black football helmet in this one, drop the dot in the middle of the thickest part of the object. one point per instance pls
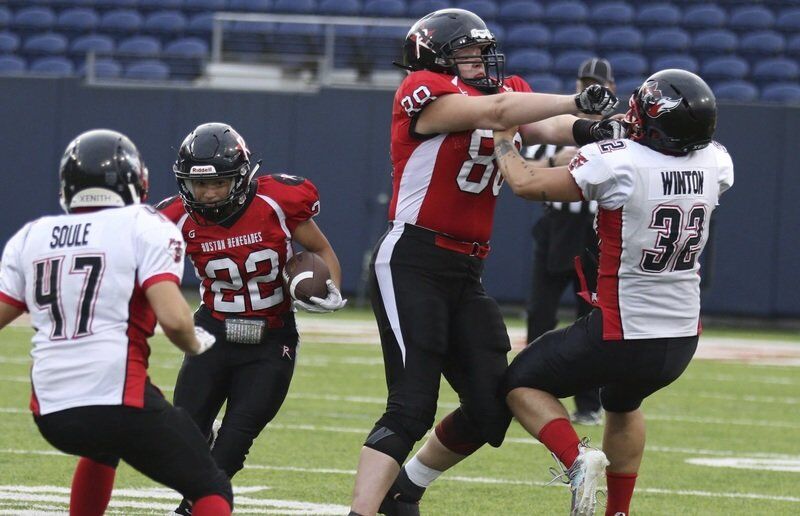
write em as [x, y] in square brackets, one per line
[673, 111]
[432, 42]
[211, 151]
[102, 168]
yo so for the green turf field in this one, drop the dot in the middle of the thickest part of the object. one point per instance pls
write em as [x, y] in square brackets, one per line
[743, 415]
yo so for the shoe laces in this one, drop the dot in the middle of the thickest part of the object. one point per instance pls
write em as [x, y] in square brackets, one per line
[560, 472]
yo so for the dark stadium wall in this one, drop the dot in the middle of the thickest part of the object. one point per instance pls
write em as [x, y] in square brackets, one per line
[339, 139]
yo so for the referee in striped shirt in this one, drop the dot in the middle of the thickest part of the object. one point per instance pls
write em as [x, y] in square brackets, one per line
[565, 230]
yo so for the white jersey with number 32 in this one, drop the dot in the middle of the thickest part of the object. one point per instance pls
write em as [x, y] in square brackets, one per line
[652, 222]
[82, 278]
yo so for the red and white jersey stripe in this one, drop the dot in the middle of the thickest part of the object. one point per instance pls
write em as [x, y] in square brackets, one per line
[652, 223]
[448, 183]
[82, 278]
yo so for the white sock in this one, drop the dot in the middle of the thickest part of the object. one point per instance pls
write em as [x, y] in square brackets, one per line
[419, 473]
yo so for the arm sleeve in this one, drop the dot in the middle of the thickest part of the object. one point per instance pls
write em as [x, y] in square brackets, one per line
[159, 249]
[12, 274]
[600, 178]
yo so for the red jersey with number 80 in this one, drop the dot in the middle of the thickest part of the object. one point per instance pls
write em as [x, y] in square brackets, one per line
[239, 263]
[444, 182]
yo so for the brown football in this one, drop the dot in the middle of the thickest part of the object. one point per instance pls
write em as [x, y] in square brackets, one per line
[305, 275]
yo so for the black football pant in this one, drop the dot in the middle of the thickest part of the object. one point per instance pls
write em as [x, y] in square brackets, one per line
[435, 319]
[158, 440]
[252, 378]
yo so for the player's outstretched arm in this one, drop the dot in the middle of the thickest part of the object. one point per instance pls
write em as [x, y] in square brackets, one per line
[528, 181]
[175, 317]
[452, 113]
[8, 313]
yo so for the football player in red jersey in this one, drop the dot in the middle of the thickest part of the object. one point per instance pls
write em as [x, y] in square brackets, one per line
[434, 316]
[239, 233]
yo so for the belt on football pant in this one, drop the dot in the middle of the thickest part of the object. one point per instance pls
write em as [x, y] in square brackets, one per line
[481, 250]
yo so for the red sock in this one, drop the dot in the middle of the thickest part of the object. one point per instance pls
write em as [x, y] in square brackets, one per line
[213, 505]
[620, 491]
[561, 439]
[91, 488]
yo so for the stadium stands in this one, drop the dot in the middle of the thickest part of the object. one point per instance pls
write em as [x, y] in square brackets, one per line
[744, 46]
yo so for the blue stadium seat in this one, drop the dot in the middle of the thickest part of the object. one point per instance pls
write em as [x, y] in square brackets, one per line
[612, 13]
[680, 61]
[626, 86]
[148, 70]
[750, 18]
[793, 46]
[139, 46]
[566, 64]
[736, 91]
[527, 62]
[386, 45]
[724, 68]
[295, 6]
[658, 15]
[573, 37]
[200, 24]
[33, 19]
[54, 66]
[785, 93]
[147, 6]
[165, 23]
[779, 69]
[77, 20]
[109, 5]
[46, 44]
[620, 38]
[98, 43]
[544, 83]
[667, 40]
[205, 5]
[187, 47]
[714, 42]
[339, 7]
[419, 8]
[254, 6]
[498, 31]
[12, 65]
[762, 43]
[628, 64]
[120, 21]
[9, 42]
[705, 16]
[566, 11]
[486, 9]
[528, 35]
[102, 69]
[520, 11]
[384, 8]
[789, 21]
[5, 16]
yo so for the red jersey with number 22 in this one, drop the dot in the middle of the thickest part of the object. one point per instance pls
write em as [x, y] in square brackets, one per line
[446, 182]
[239, 264]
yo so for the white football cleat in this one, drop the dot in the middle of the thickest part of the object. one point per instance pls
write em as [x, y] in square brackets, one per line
[588, 469]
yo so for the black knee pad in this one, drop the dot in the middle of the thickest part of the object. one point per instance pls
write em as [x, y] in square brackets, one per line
[389, 442]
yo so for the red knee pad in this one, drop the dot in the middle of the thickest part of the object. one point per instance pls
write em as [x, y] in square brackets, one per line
[458, 434]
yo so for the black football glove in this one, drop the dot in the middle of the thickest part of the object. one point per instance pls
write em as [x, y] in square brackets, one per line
[609, 129]
[596, 100]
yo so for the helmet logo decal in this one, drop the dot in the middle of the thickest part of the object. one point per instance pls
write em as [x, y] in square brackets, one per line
[203, 170]
[654, 102]
[422, 38]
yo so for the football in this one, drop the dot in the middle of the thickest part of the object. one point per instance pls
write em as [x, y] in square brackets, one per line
[305, 275]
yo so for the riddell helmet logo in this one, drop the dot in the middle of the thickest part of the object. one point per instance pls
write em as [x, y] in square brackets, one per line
[205, 169]
[653, 101]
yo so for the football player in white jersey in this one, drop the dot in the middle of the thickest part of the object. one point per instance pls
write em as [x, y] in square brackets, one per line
[655, 191]
[95, 281]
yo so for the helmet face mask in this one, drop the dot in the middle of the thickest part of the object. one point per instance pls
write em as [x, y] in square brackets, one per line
[673, 111]
[212, 152]
[433, 42]
[101, 168]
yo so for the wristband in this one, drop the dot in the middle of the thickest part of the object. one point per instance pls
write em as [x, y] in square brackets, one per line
[582, 132]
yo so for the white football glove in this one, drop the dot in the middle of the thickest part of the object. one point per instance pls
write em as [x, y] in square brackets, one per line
[205, 339]
[317, 305]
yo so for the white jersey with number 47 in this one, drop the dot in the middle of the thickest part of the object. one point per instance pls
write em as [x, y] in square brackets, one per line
[82, 278]
[652, 222]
